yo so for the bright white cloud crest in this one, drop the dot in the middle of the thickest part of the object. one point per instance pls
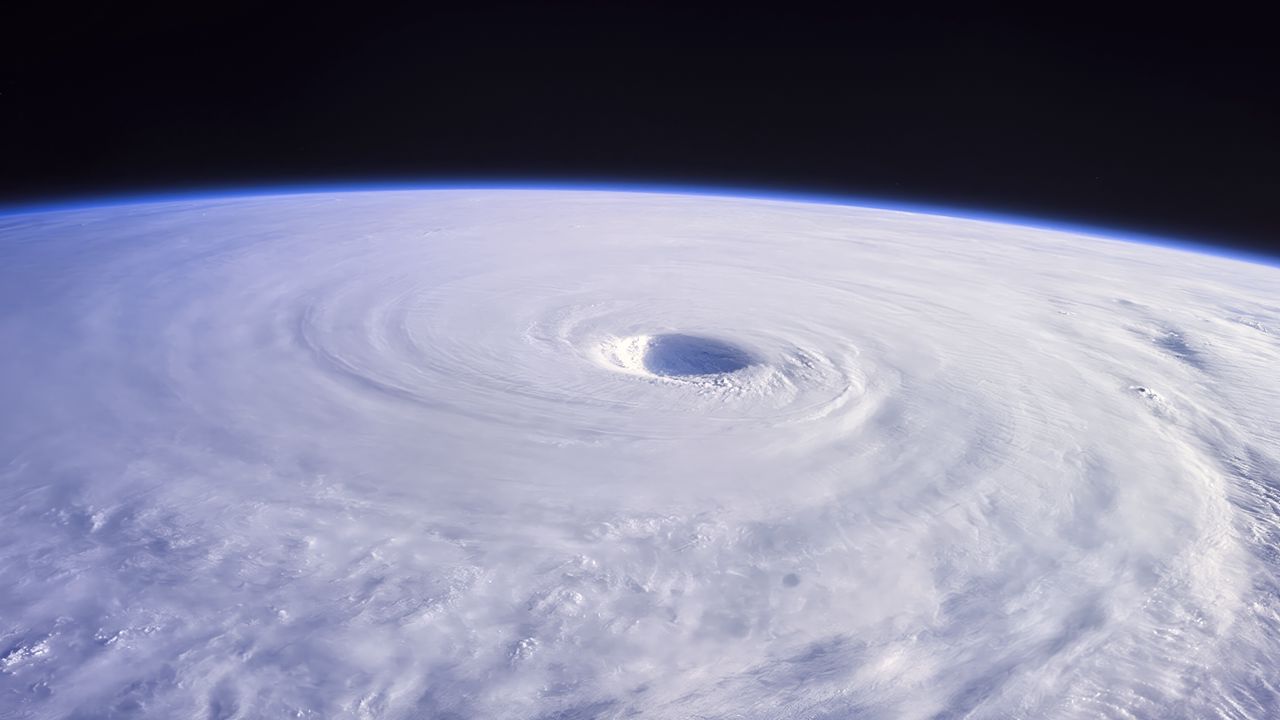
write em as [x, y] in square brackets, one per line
[553, 454]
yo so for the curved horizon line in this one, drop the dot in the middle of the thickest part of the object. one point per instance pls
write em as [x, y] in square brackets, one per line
[868, 202]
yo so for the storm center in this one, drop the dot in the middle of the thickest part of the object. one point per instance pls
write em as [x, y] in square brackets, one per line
[678, 355]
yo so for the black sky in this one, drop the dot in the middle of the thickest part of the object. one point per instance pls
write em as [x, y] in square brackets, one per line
[1165, 124]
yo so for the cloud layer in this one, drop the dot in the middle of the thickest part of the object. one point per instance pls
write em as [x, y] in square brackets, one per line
[523, 454]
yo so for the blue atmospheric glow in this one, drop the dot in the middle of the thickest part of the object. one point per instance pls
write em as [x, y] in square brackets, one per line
[869, 202]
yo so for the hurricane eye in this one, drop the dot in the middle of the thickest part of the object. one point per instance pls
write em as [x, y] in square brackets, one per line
[678, 355]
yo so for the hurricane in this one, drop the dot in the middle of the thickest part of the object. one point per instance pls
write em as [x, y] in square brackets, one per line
[552, 453]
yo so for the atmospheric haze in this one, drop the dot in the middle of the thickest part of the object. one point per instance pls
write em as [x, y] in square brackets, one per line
[588, 454]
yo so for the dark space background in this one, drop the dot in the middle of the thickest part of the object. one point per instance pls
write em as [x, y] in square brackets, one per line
[1154, 123]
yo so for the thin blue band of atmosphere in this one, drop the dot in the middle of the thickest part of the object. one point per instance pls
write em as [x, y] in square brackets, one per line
[220, 193]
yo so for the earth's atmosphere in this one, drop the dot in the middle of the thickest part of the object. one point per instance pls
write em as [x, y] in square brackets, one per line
[574, 454]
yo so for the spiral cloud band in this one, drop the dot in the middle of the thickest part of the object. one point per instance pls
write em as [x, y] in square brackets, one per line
[579, 454]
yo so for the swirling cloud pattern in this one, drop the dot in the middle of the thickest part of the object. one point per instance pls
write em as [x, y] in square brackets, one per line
[579, 454]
